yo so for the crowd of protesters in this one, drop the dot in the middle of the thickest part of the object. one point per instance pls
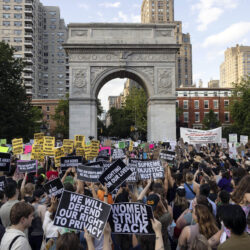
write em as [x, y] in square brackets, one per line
[202, 203]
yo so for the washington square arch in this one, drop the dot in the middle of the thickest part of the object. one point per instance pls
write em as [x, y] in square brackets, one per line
[100, 52]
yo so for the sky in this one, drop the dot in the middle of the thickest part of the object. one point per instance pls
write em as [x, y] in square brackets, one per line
[214, 26]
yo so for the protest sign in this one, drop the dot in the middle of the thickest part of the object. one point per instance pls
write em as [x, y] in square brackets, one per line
[80, 152]
[107, 143]
[133, 167]
[79, 141]
[38, 138]
[27, 166]
[37, 152]
[17, 146]
[197, 136]
[115, 175]
[77, 212]
[224, 142]
[151, 146]
[4, 149]
[150, 169]
[117, 153]
[167, 155]
[90, 173]
[4, 162]
[26, 157]
[27, 149]
[233, 138]
[49, 146]
[131, 218]
[59, 152]
[232, 152]
[121, 144]
[131, 146]
[156, 154]
[3, 142]
[68, 146]
[244, 139]
[105, 151]
[70, 161]
[54, 188]
[95, 148]
[2, 182]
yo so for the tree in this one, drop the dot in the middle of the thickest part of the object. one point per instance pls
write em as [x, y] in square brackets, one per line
[210, 121]
[61, 117]
[17, 117]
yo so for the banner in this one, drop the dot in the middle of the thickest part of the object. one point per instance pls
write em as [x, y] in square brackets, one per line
[70, 161]
[5, 162]
[150, 169]
[167, 155]
[49, 146]
[131, 218]
[117, 153]
[115, 175]
[196, 136]
[244, 139]
[233, 138]
[54, 188]
[77, 212]
[89, 173]
[2, 182]
[17, 146]
[79, 141]
[27, 166]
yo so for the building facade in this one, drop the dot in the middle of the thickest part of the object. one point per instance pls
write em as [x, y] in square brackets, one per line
[37, 33]
[195, 103]
[162, 11]
[235, 66]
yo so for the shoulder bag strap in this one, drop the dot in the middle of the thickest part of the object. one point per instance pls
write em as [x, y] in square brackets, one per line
[190, 189]
[13, 241]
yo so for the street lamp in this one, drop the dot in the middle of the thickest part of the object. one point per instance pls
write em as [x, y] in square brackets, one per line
[43, 128]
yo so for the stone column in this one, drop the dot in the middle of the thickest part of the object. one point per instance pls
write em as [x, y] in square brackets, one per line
[161, 119]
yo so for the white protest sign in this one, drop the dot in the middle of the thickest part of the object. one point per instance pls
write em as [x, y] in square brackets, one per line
[233, 138]
[244, 139]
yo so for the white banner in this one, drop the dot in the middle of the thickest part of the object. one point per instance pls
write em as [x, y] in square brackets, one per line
[196, 136]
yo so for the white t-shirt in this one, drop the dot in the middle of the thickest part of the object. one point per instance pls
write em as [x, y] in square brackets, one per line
[49, 229]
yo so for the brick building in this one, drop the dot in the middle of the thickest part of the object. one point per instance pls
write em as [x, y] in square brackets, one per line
[196, 103]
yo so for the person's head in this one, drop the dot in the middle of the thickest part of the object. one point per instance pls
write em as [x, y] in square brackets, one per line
[242, 191]
[29, 189]
[226, 175]
[22, 214]
[205, 189]
[205, 220]
[68, 241]
[180, 197]
[189, 177]
[202, 200]
[213, 186]
[234, 218]
[224, 197]
[200, 243]
[38, 194]
[10, 190]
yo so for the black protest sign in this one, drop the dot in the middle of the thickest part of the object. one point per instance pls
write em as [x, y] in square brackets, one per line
[106, 165]
[89, 173]
[54, 188]
[27, 166]
[117, 153]
[77, 212]
[167, 155]
[102, 158]
[133, 167]
[150, 169]
[131, 218]
[2, 182]
[70, 161]
[104, 152]
[4, 162]
[115, 175]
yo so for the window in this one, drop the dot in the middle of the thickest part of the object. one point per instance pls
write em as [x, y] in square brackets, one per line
[6, 39]
[177, 104]
[226, 117]
[6, 23]
[215, 104]
[18, 48]
[197, 117]
[206, 104]
[47, 117]
[6, 16]
[17, 39]
[17, 16]
[18, 1]
[185, 104]
[216, 115]
[52, 27]
[185, 93]
[215, 94]
[225, 93]
[6, 7]
[205, 93]
[48, 108]
[185, 116]
[17, 32]
[196, 104]
[18, 7]
[196, 94]
[6, 1]
[226, 103]
[17, 23]
[52, 13]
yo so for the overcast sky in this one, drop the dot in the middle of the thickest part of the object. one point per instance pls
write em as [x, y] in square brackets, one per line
[214, 25]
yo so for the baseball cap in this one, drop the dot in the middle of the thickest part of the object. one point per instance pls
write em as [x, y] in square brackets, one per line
[153, 200]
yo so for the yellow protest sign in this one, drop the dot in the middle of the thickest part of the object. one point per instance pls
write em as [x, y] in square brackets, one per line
[17, 146]
[49, 145]
[68, 146]
[79, 141]
[80, 152]
[4, 149]
[38, 138]
[59, 152]
[131, 145]
[37, 152]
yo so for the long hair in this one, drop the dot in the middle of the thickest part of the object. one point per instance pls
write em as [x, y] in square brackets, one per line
[206, 221]
[242, 188]
[181, 201]
[200, 243]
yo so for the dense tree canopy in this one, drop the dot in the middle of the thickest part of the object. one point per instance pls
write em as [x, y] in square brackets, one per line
[210, 121]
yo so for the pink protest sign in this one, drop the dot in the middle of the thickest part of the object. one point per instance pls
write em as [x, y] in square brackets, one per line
[28, 149]
[106, 148]
[151, 146]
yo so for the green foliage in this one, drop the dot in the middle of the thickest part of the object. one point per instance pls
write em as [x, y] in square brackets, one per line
[61, 117]
[18, 117]
[210, 121]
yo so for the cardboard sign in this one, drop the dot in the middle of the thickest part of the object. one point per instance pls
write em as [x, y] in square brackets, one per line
[121, 144]
[54, 188]
[59, 152]
[150, 169]
[4, 149]
[17, 146]
[26, 157]
[49, 146]
[79, 141]
[244, 139]
[2, 182]
[80, 152]
[77, 212]
[27, 166]
[3, 142]
[233, 138]
[224, 142]
[38, 136]
[68, 146]
[117, 153]
[70, 161]
[37, 152]
[115, 175]
[167, 155]
[89, 173]
[133, 167]
[105, 151]
[131, 146]
[107, 143]
[5, 162]
[27, 149]
[131, 218]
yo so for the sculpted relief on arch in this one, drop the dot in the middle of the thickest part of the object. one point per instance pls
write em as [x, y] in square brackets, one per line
[79, 81]
[165, 81]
